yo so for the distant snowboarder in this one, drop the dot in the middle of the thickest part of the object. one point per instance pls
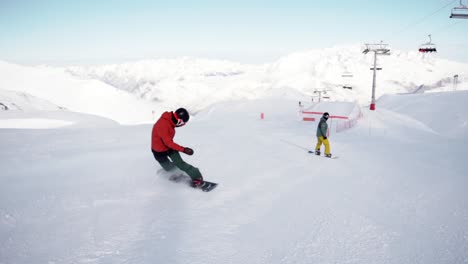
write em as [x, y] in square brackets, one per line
[166, 151]
[322, 130]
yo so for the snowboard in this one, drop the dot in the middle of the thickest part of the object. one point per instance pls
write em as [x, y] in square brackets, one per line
[206, 186]
[313, 152]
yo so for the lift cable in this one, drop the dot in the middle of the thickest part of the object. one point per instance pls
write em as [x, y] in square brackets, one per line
[423, 19]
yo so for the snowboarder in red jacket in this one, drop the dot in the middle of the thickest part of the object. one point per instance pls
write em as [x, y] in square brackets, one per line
[166, 151]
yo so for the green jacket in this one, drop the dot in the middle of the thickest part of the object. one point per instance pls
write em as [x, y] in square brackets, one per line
[322, 128]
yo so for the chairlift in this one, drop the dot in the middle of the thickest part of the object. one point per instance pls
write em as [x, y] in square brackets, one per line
[460, 11]
[346, 74]
[428, 47]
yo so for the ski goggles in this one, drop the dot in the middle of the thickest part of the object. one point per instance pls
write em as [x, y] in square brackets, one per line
[180, 122]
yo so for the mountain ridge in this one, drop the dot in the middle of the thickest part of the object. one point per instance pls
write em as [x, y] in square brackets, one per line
[148, 87]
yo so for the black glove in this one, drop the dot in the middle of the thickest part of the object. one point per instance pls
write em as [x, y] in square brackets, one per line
[188, 151]
[324, 138]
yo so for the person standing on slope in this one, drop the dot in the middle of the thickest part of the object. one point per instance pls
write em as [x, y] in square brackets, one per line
[166, 151]
[322, 130]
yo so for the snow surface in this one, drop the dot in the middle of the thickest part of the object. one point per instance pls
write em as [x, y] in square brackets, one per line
[32, 123]
[85, 189]
[90, 193]
[51, 119]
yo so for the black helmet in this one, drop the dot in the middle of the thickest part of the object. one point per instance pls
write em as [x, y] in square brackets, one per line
[326, 115]
[182, 116]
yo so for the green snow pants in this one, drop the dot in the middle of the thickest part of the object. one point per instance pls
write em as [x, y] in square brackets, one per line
[171, 159]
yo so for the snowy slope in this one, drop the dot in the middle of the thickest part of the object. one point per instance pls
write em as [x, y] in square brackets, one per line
[86, 96]
[47, 119]
[443, 112]
[10, 100]
[92, 195]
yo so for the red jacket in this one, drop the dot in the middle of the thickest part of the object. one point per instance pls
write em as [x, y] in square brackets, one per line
[163, 134]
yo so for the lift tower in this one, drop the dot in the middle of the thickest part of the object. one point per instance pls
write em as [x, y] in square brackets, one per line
[378, 49]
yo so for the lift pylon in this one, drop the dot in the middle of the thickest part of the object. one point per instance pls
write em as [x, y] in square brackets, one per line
[378, 49]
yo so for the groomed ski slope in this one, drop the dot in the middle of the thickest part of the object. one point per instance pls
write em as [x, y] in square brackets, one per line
[90, 193]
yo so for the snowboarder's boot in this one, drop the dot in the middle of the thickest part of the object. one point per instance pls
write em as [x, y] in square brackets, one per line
[328, 155]
[197, 183]
[317, 152]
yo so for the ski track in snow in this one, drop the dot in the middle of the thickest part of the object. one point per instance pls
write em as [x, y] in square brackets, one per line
[93, 194]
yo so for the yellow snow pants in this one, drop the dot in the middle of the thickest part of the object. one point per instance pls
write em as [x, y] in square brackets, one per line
[321, 140]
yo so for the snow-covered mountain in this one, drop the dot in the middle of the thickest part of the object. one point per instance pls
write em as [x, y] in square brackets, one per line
[139, 91]
[184, 81]
[58, 87]
[12, 100]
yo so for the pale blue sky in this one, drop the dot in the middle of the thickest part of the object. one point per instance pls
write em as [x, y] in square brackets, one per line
[101, 31]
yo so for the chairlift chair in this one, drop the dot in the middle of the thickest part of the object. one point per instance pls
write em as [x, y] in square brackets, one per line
[347, 74]
[460, 11]
[428, 47]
